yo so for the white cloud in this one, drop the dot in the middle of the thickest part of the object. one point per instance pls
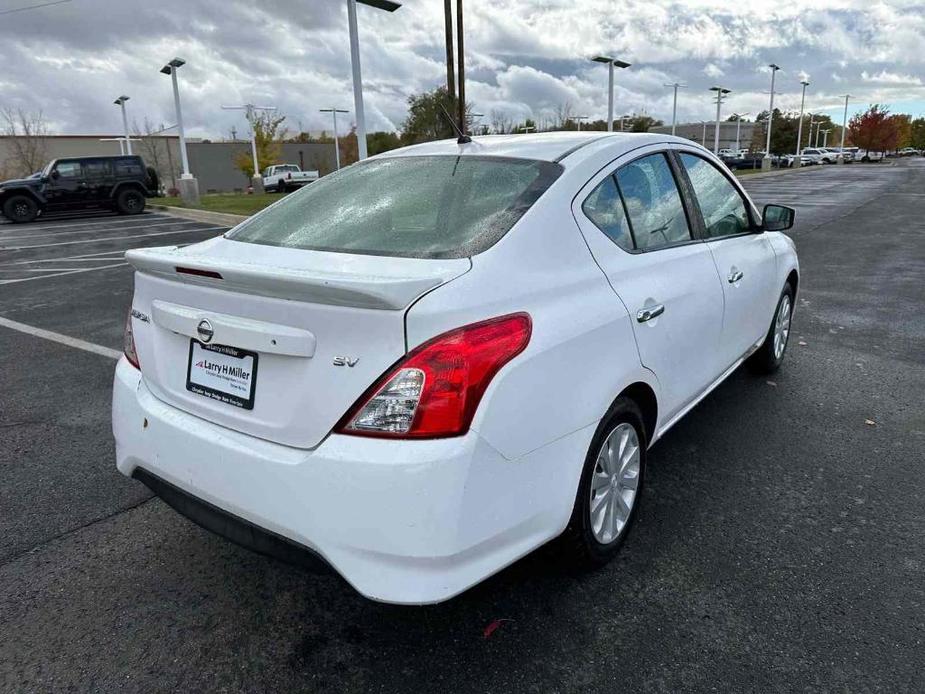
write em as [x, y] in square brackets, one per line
[524, 58]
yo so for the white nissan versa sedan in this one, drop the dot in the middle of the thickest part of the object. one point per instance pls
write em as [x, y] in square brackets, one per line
[426, 365]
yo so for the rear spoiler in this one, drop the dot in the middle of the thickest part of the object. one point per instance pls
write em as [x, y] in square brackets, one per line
[390, 291]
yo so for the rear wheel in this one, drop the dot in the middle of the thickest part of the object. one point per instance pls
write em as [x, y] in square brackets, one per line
[20, 208]
[770, 355]
[609, 490]
[130, 201]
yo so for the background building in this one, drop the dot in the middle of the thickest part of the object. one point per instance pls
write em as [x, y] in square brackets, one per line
[727, 133]
[213, 163]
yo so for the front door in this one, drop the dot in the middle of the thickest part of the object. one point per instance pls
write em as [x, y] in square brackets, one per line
[745, 261]
[637, 228]
[66, 187]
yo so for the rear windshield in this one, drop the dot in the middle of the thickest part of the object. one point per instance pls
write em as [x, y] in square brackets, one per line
[415, 207]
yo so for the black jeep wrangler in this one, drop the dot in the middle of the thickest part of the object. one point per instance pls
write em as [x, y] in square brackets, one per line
[115, 183]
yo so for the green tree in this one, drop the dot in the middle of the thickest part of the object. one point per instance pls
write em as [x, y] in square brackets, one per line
[426, 120]
[917, 134]
[268, 132]
[382, 141]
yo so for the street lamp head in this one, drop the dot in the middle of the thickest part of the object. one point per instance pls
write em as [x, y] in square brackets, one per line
[620, 63]
[805, 83]
[121, 100]
[167, 70]
[177, 62]
[774, 67]
[721, 90]
[602, 59]
[386, 5]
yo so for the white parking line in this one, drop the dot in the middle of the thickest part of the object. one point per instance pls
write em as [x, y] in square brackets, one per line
[97, 230]
[59, 338]
[92, 222]
[110, 238]
[59, 274]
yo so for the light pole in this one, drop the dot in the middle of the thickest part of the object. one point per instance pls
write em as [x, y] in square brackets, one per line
[189, 187]
[721, 93]
[578, 119]
[674, 105]
[121, 102]
[800, 124]
[703, 140]
[249, 109]
[334, 111]
[825, 136]
[611, 63]
[622, 119]
[766, 162]
[739, 117]
[844, 129]
[388, 6]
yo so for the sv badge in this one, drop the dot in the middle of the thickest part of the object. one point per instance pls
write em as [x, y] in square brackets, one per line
[346, 361]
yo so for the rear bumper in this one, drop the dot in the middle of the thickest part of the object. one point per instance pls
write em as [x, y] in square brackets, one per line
[409, 522]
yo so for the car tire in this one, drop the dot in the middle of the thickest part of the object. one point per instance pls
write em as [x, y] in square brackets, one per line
[590, 541]
[20, 209]
[130, 201]
[771, 354]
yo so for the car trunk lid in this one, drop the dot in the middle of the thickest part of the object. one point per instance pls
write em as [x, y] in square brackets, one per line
[276, 343]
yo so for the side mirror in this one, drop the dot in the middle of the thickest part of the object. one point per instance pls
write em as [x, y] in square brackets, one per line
[777, 218]
[55, 175]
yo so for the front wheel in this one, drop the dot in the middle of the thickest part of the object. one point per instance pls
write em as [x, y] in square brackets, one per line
[609, 489]
[130, 201]
[20, 209]
[770, 355]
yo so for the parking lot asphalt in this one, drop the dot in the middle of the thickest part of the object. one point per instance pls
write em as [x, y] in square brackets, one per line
[780, 545]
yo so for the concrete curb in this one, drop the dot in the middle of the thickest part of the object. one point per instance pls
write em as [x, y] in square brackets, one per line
[218, 218]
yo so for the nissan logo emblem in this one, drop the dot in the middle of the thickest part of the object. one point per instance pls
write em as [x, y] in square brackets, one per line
[205, 331]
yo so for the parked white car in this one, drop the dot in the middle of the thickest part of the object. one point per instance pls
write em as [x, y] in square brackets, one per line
[432, 362]
[814, 155]
[281, 178]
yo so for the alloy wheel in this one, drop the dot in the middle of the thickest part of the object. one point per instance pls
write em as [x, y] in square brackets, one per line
[782, 327]
[614, 483]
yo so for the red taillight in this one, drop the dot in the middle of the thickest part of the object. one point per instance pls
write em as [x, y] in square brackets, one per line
[128, 342]
[435, 390]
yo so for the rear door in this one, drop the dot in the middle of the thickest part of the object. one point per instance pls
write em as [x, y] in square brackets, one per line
[745, 260]
[98, 177]
[637, 228]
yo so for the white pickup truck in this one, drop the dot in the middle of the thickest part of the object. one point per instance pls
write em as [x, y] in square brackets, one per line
[281, 178]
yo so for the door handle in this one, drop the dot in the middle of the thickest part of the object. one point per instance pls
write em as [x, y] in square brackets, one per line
[647, 314]
[735, 276]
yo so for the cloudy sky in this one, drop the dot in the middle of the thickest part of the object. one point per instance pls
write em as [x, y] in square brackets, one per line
[524, 58]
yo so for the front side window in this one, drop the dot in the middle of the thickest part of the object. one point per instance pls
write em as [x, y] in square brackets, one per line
[723, 209]
[605, 208]
[653, 203]
[415, 207]
[68, 169]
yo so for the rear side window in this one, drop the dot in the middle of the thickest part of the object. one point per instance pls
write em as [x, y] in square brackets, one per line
[415, 207]
[605, 208]
[128, 167]
[722, 206]
[653, 203]
[97, 168]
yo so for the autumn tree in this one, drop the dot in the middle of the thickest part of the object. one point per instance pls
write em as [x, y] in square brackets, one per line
[268, 132]
[28, 145]
[154, 148]
[874, 129]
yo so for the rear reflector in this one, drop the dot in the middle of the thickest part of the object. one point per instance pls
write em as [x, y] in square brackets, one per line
[435, 390]
[198, 273]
